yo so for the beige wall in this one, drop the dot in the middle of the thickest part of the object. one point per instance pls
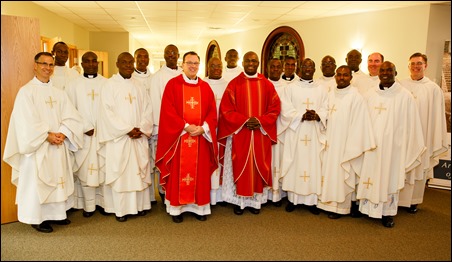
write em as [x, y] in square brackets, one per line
[438, 32]
[51, 25]
[396, 33]
[102, 41]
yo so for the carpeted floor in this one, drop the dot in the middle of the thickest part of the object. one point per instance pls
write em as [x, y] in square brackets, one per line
[274, 234]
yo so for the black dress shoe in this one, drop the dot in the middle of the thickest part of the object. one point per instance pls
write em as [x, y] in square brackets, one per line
[334, 215]
[290, 207]
[238, 210]
[121, 219]
[200, 217]
[387, 221]
[354, 210]
[44, 227]
[102, 211]
[356, 214]
[60, 222]
[277, 204]
[88, 214]
[141, 213]
[412, 209]
[223, 204]
[254, 210]
[314, 210]
[154, 202]
[178, 219]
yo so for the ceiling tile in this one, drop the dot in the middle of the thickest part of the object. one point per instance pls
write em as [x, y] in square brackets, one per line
[157, 23]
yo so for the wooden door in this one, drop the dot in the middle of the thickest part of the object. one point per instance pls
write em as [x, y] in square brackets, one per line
[20, 44]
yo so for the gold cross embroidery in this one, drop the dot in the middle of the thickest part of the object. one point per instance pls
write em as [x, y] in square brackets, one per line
[192, 102]
[91, 169]
[187, 179]
[307, 103]
[61, 182]
[50, 101]
[305, 140]
[92, 94]
[333, 109]
[130, 97]
[380, 108]
[367, 183]
[189, 141]
[304, 176]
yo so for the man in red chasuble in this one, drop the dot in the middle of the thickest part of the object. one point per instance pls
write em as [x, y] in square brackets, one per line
[246, 132]
[187, 151]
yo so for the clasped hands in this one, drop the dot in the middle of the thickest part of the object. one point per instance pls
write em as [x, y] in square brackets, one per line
[135, 133]
[194, 130]
[55, 138]
[253, 123]
[310, 115]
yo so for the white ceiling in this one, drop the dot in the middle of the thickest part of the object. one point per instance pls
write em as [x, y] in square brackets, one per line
[155, 24]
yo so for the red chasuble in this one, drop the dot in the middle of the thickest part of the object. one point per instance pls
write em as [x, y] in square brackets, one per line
[186, 163]
[251, 149]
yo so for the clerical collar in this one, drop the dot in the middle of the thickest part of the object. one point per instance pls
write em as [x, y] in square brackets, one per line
[139, 72]
[383, 87]
[288, 78]
[90, 75]
[253, 76]
[307, 81]
[190, 81]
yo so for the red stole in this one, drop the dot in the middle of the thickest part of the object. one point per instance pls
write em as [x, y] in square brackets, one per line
[189, 146]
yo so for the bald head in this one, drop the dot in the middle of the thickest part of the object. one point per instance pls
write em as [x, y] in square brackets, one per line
[250, 63]
[125, 64]
[89, 63]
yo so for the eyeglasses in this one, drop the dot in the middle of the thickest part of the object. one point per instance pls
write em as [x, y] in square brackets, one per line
[215, 66]
[192, 63]
[412, 64]
[44, 64]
